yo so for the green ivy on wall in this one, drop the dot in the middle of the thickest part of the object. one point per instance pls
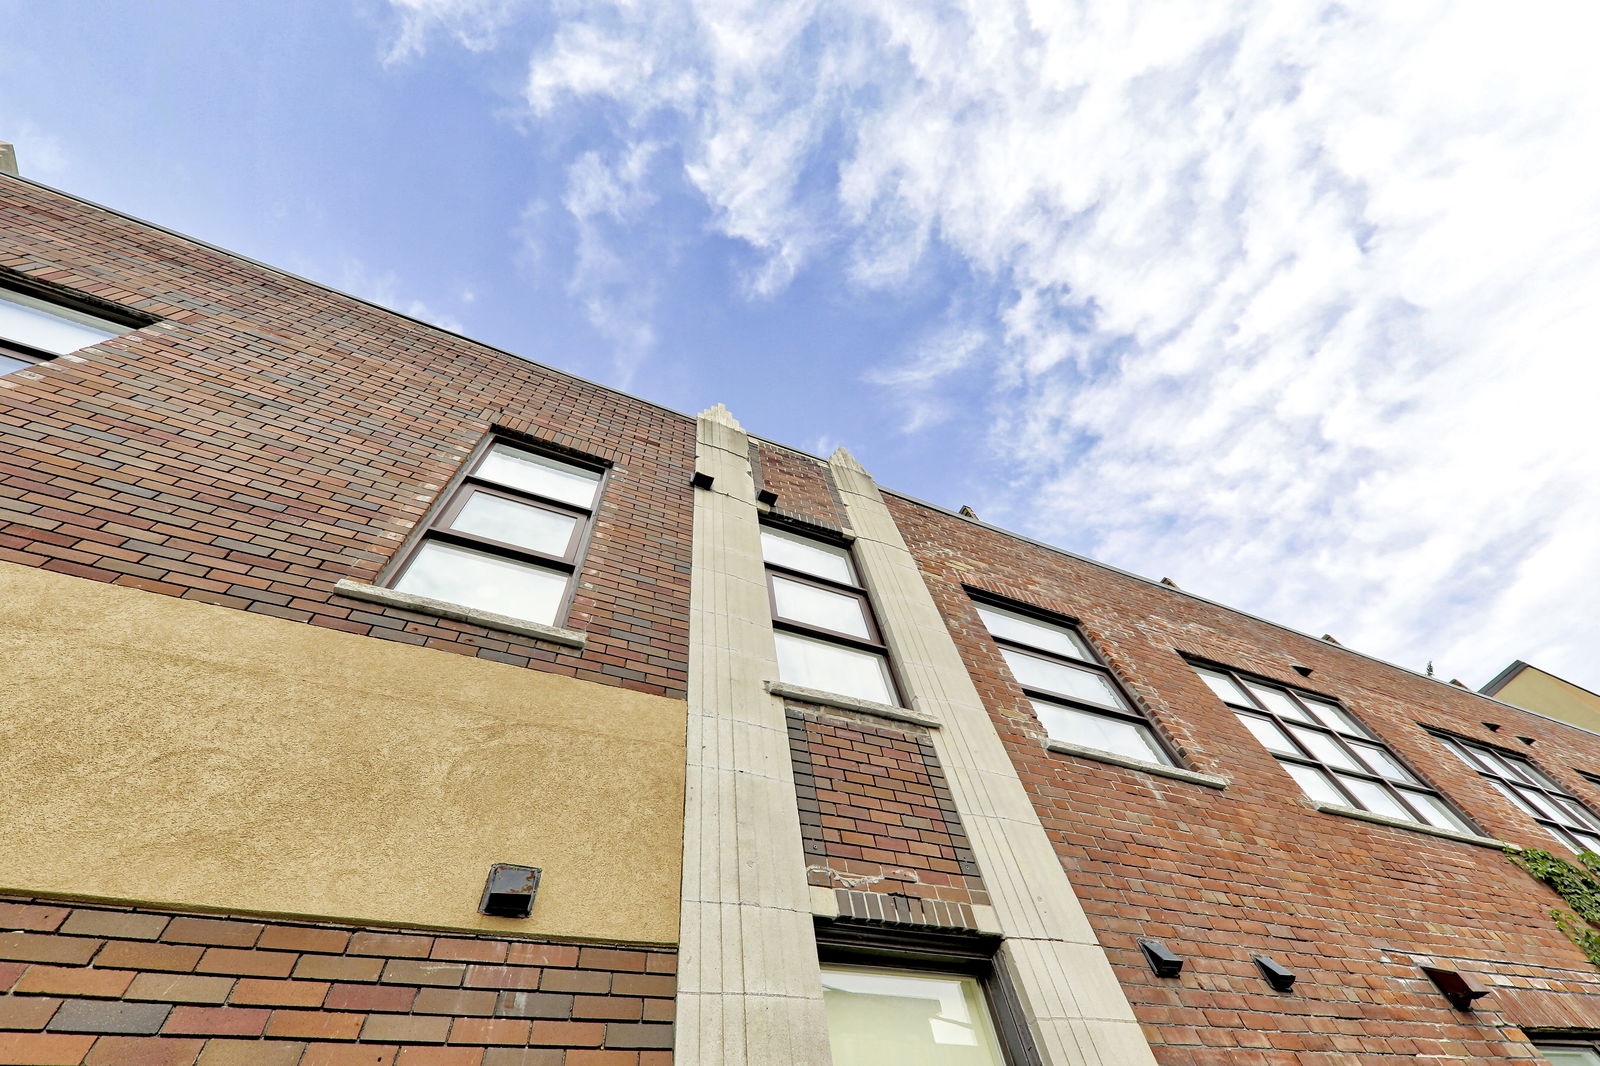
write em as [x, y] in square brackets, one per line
[1578, 885]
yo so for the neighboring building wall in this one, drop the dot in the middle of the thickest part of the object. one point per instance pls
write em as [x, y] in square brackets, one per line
[197, 720]
[1530, 687]
[1352, 907]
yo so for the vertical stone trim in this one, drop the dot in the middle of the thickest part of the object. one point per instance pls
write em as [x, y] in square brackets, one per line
[1068, 990]
[750, 988]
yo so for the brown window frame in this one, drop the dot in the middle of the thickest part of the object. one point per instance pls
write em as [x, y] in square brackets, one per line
[874, 644]
[1513, 790]
[1133, 714]
[1335, 773]
[467, 482]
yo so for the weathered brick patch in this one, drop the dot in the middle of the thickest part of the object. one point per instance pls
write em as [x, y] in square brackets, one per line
[102, 986]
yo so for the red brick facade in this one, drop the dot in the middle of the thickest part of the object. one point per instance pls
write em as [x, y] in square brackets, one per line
[267, 438]
[1350, 906]
[115, 987]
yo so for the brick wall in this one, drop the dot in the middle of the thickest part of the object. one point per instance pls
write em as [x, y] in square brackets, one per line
[1350, 906]
[876, 818]
[804, 488]
[267, 438]
[117, 987]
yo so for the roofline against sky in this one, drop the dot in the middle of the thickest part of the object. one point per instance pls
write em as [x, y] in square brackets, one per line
[1506, 676]
[799, 451]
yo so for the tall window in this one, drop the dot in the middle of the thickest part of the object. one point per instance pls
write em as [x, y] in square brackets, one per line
[1074, 695]
[1331, 755]
[878, 1016]
[1524, 784]
[35, 330]
[827, 638]
[507, 539]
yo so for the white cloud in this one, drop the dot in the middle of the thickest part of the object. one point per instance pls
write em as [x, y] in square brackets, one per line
[473, 24]
[1297, 296]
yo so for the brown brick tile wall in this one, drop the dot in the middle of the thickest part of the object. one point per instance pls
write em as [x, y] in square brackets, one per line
[1351, 907]
[267, 438]
[87, 984]
[803, 485]
[876, 817]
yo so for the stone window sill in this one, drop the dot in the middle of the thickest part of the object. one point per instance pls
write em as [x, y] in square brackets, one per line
[1160, 769]
[358, 590]
[851, 703]
[1401, 823]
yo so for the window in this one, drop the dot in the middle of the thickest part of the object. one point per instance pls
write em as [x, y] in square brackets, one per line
[36, 330]
[878, 1016]
[1577, 1054]
[1333, 757]
[507, 539]
[826, 636]
[1074, 695]
[1532, 790]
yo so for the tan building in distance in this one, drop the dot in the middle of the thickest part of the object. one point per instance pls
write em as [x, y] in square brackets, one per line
[1540, 691]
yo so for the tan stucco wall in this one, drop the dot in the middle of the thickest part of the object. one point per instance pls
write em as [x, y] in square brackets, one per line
[164, 751]
[1538, 691]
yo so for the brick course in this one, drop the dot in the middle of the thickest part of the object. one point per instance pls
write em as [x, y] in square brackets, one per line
[267, 438]
[85, 1011]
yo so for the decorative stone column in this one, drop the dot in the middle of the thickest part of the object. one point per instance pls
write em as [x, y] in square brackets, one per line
[1067, 988]
[749, 985]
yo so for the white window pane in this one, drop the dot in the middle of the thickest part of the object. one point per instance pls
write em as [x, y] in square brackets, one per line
[1034, 633]
[516, 523]
[1087, 685]
[8, 364]
[1437, 812]
[1316, 783]
[1097, 731]
[1514, 796]
[1224, 687]
[534, 473]
[1472, 758]
[833, 668]
[1578, 815]
[1278, 703]
[883, 1017]
[1376, 798]
[48, 327]
[1325, 749]
[1383, 764]
[1570, 1057]
[1269, 734]
[808, 556]
[487, 582]
[825, 609]
[1334, 717]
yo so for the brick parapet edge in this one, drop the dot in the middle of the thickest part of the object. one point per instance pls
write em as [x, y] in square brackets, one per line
[107, 986]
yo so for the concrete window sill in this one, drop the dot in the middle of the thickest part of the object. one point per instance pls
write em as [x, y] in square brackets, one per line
[851, 703]
[1160, 769]
[1400, 823]
[358, 590]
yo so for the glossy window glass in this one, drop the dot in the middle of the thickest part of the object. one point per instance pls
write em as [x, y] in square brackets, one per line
[35, 323]
[837, 611]
[794, 552]
[887, 1017]
[1076, 699]
[540, 475]
[488, 582]
[836, 668]
[1539, 795]
[521, 524]
[1333, 757]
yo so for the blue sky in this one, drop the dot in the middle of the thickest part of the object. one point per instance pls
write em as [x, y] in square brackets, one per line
[1290, 301]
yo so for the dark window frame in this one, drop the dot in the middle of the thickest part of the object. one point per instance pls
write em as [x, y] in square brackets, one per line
[875, 644]
[1134, 713]
[1304, 756]
[67, 300]
[937, 952]
[466, 481]
[1508, 788]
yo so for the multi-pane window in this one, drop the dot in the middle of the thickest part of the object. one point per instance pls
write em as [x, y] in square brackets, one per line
[1531, 789]
[35, 330]
[1333, 757]
[1074, 695]
[507, 539]
[1577, 1054]
[878, 1016]
[822, 621]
